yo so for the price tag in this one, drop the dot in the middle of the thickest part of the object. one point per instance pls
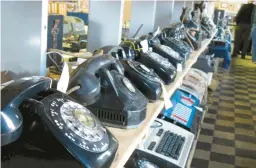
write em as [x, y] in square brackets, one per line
[199, 108]
[210, 74]
[167, 102]
[117, 56]
[179, 67]
[64, 79]
[144, 45]
[124, 55]
[150, 49]
[80, 60]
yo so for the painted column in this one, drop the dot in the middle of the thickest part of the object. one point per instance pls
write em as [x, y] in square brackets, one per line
[105, 23]
[142, 12]
[164, 12]
[178, 5]
[190, 4]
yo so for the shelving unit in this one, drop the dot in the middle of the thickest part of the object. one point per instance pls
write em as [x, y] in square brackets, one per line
[129, 139]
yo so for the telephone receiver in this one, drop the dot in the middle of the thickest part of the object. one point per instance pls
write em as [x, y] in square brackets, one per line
[132, 48]
[106, 75]
[12, 97]
[88, 77]
[116, 51]
[157, 32]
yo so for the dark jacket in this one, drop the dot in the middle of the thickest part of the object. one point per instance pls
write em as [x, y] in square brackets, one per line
[244, 15]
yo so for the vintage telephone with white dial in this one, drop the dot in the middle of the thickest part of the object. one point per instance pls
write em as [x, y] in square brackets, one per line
[163, 50]
[145, 79]
[42, 127]
[105, 91]
[139, 49]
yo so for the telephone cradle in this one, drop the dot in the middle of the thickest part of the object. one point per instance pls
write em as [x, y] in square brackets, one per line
[108, 94]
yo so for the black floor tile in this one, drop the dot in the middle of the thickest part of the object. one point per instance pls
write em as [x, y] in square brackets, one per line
[207, 132]
[244, 126]
[250, 139]
[228, 95]
[227, 118]
[244, 116]
[246, 153]
[209, 120]
[231, 88]
[242, 100]
[240, 93]
[224, 142]
[224, 128]
[226, 109]
[242, 107]
[222, 158]
[199, 163]
[226, 101]
[212, 111]
[204, 146]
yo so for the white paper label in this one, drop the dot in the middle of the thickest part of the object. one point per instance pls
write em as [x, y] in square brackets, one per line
[117, 57]
[167, 101]
[179, 67]
[124, 55]
[210, 74]
[64, 79]
[199, 108]
[144, 45]
[80, 60]
[150, 49]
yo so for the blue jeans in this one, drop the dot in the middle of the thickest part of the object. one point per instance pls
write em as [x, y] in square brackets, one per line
[254, 44]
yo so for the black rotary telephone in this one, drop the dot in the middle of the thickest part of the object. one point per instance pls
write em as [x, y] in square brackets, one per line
[145, 79]
[42, 127]
[162, 67]
[163, 50]
[176, 44]
[108, 94]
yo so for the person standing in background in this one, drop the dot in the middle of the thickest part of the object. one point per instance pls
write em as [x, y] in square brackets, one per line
[254, 35]
[243, 29]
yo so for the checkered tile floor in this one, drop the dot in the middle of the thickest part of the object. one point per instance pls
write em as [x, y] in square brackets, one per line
[228, 138]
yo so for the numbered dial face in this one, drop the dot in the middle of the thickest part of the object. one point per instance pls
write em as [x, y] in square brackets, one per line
[79, 125]
[170, 51]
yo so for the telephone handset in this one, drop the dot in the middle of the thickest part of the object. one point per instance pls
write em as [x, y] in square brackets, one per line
[12, 96]
[86, 76]
[196, 44]
[53, 121]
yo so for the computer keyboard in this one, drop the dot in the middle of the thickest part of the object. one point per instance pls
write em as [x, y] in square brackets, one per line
[170, 145]
[169, 142]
